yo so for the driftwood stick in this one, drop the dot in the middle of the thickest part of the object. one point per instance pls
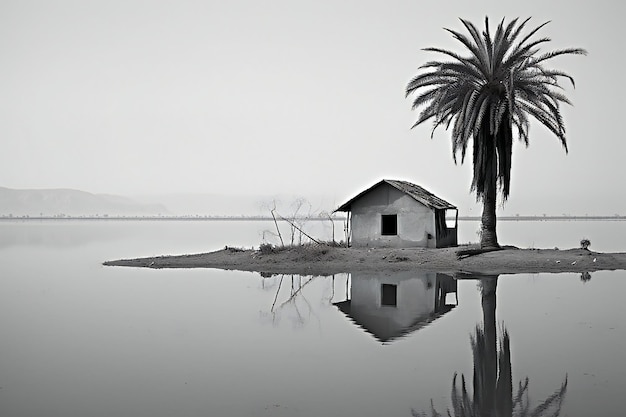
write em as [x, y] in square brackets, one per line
[332, 223]
[466, 253]
[277, 229]
[300, 230]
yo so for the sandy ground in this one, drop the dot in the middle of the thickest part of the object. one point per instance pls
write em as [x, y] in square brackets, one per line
[326, 260]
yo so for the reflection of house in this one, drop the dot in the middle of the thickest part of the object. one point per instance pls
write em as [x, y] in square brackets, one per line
[400, 214]
[391, 306]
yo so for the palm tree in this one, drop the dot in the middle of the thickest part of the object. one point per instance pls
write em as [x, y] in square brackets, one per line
[499, 86]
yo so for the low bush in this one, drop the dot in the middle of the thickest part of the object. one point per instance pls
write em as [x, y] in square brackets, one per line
[266, 248]
[585, 243]
[232, 249]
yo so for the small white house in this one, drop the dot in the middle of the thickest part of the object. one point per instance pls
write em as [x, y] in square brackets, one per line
[395, 213]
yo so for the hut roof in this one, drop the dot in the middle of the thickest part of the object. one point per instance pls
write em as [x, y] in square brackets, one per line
[384, 329]
[412, 190]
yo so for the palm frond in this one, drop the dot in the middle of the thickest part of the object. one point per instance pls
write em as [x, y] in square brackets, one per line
[566, 51]
[502, 41]
[530, 35]
[519, 29]
[523, 51]
[477, 53]
[467, 61]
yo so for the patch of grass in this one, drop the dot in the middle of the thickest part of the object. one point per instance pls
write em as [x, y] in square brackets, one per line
[334, 244]
[307, 252]
[311, 247]
[267, 248]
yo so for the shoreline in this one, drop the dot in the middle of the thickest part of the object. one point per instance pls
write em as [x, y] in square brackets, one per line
[329, 260]
[207, 217]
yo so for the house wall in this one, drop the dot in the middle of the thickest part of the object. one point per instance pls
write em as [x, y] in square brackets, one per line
[447, 239]
[415, 220]
[445, 236]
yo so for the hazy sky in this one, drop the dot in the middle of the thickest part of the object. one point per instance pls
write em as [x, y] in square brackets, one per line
[302, 97]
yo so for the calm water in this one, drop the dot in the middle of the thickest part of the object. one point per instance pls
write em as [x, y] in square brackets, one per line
[80, 339]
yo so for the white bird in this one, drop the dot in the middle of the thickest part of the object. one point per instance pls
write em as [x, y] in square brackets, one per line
[558, 262]
[595, 259]
[574, 263]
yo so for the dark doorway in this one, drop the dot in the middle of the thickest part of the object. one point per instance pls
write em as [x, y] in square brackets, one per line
[389, 224]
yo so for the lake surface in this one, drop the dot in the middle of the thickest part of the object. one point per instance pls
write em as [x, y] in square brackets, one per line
[81, 339]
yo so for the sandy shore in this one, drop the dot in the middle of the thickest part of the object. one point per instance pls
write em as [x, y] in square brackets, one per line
[325, 260]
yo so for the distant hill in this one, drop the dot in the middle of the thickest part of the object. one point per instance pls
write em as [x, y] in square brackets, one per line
[181, 204]
[55, 202]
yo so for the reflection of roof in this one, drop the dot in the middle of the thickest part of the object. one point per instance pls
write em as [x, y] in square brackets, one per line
[412, 190]
[382, 328]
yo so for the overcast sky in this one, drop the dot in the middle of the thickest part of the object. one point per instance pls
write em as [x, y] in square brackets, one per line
[301, 97]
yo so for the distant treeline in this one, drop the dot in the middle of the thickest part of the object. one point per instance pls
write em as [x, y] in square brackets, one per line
[545, 217]
[195, 218]
[312, 218]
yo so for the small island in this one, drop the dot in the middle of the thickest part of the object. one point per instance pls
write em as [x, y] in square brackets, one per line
[322, 259]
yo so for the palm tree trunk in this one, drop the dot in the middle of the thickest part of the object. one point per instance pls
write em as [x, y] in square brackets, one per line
[485, 181]
[488, 236]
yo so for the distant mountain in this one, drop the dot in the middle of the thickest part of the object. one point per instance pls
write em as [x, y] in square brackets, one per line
[54, 202]
[182, 204]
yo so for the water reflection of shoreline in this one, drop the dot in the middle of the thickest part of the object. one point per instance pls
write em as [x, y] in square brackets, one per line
[391, 306]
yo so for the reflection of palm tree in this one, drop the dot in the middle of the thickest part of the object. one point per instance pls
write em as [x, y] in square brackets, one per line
[492, 381]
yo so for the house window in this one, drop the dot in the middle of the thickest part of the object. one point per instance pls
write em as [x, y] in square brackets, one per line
[388, 295]
[389, 225]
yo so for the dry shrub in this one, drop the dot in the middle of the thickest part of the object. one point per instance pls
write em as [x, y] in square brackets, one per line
[266, 248]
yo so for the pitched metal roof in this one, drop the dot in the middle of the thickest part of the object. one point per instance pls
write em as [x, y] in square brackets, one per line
[412, 190]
